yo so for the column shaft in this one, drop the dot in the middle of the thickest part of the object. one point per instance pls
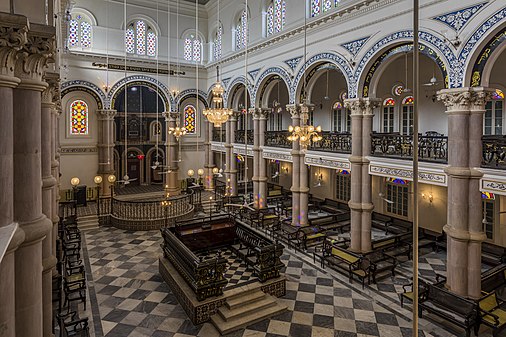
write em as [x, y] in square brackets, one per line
[256, 158]
[233, 161]
[295, 112]
[262, 163]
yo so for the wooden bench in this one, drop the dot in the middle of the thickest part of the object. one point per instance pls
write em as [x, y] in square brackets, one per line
[349, 262]
[332, 222]
[333, 206]
[491, 313]
[380, 263]
[407, 289]
[450, 307]
[492, 255]
[493, 279]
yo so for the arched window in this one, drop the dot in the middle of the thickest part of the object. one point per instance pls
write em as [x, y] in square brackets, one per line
[217, 43]
[388, 115]
[494, 114]
[79, 118]
[140, 39]
[190, 119]
[322, 6]
[80, 31]
[241, 31]
[407, 115]
[341, 120]
[193, 48]
[276, 16]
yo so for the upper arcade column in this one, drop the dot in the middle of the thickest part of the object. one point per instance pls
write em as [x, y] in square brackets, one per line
[362, 112]
[259, 165]
[294, 111]
[465, 108]
[172, 185]
[106, 147]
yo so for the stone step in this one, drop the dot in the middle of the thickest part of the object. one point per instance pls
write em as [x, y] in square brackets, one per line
[227, 326]
[255, 295]
[87, 222]
[246, 309]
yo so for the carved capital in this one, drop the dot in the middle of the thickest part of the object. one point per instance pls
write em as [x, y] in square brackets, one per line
[52, 93]
[106, 114]
[362, 106]
[13, 30]
[464, 100]
[259, 113]
[36, 53]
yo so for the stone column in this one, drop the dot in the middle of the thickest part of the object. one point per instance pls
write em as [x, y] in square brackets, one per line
[295, 112]
[262, 163]
[465, 108]
[255, 112]
[27, 179]
[229, 151]
[48, 183]
[362, 112]
[106, 148]
[55, 193]
[172, 153]
[208, 161]
[13, 33]
[233, 163]
[305, 110]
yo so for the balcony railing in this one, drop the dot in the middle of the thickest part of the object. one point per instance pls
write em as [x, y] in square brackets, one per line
[432, 147]
[219, 135]
[278, 139]
[333, 142]
[239, 136]
[494, 152]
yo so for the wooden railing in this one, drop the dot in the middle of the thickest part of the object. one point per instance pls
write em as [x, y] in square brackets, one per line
[432, 148]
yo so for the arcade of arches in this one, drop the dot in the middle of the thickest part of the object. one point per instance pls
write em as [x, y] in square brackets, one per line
[104, 141]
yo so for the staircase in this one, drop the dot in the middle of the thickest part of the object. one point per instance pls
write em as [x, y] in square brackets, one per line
[208, 206]
[87, 222]
[245, 308]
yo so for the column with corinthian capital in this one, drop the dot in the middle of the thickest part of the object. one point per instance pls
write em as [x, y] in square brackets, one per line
[105, 148]
[295, 112]
[172, 184]
[232, 168]
[13, 30]
[361, 206]
[262, 163]
[30, 261]
[209, 160]
[465, 108]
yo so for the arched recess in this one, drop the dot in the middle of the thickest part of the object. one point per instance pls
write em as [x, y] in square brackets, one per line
[487, 59]
[332, 58]
[132, 85]
[237, 95]
[153, 175]
[370, 81]
[274, 94]
[88, 87]
[141, 80]
[265, 77]
[428, 41]
[469, 57]
[232, 86]
[134, 166]
[192, 93]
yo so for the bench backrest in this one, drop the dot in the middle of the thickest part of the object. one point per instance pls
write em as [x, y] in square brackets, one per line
[450, 301]
[493, 281]
[488, 302]
[385, 242]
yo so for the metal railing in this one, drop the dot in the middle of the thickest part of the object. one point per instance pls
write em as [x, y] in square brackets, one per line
[278, 139]
[239, 136]
[494, 152]
[219, 135]
[432, 147]
[333, 142]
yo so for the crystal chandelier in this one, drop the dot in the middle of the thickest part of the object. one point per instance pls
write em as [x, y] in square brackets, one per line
[305, 134]
[217, 113]
[177, 131]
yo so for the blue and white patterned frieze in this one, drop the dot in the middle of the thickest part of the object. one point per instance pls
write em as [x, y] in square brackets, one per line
[425, 177]
[464, 57]
[292, 63]
[354, 46]
[133, 78]
[459, 18]
[86, 84]
[254, 73]
[273, 71]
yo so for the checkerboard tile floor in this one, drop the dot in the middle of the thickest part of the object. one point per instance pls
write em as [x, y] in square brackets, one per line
[129, 298]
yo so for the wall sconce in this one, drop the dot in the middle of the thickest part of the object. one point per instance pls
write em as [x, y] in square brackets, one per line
[285, 169]
[74, 181]
[106, 88]
[175, 92]
[429, 197]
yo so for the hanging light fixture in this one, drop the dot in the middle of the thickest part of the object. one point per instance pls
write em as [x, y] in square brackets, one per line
[304, 134]
[217, 113]
[177, 131]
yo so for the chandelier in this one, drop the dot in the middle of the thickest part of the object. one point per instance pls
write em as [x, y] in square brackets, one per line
[177, 131]
[217, 113]
[305, 134]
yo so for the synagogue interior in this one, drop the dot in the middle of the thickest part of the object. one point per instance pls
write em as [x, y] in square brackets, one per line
[267, 168]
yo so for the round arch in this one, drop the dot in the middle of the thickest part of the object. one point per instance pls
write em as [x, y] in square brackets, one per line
[232, 87]
[268, 76]
[84, 86]
[153, 174]
[339, 61]
[486, 59]
[191, 93]
[141, 80]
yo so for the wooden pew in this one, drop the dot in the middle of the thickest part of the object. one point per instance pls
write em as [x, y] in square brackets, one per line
[491, 313]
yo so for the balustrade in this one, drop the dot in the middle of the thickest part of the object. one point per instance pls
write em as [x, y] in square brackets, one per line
[219, 135]
[432, 146]
[333, 142]
[278, 139]
[239, 136]
[494, 152]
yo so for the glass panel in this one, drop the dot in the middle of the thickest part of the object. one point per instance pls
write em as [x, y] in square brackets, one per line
[315, 7]
[217, 44]
[85, 34]
[190, 119]
[151, 43]
[79, 118]
[283, 14]
[129, 40]
[188, 49]
[270, 20]
[197, 50]
[141, 37]
[327, 4]
[73, 33]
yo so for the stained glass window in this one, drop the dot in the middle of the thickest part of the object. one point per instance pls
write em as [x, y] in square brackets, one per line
[327, 4]
[498, 94]
[409, 100]
[398, 90]
[190, 119]
[79, 32]
[315, 7]
[151, 43]
[407, 115]
[140, 27]
[140, 39]
[337, 105]
[388, 115]
[494, 114]
[79, 118]
[242, 31]
[389, 102]
[270, 20]
[192, 49]
[217, 43]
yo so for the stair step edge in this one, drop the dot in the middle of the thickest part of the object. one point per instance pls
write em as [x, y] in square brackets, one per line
[253, 307]
[225, 327]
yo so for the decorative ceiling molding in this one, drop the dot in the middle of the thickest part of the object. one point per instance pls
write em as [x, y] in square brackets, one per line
[458, 19]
